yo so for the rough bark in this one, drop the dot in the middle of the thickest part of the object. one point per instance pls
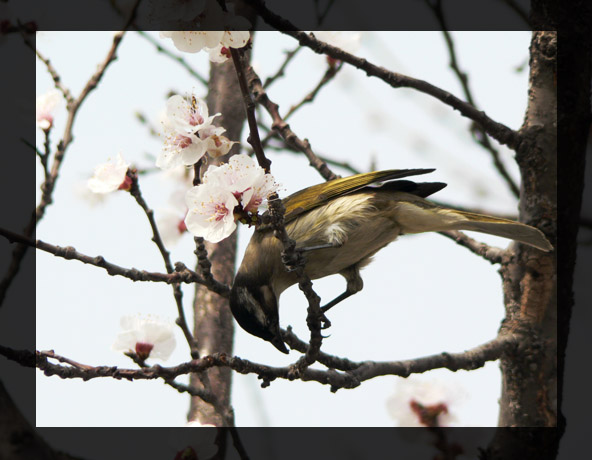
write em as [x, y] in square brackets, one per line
[538, 287]
[529, 391]
[213, 324]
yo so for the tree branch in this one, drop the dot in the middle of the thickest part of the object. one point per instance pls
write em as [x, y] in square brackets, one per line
[182, 274]
[491, 254]
[177, 291]
[478, 132]
[276, 212]
[283, 128]
[280, 72]
[179, 59]
[359, 372]
[498, 131]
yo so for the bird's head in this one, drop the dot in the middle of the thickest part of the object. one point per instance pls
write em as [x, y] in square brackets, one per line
[255, 308]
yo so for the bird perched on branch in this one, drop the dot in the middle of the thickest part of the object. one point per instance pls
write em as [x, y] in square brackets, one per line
[339, 225]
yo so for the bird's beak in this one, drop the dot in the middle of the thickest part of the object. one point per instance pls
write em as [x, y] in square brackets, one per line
[278, 342]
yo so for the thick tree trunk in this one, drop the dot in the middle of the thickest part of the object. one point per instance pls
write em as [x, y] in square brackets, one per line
[529, 391]
[213, 322]
[538, 287]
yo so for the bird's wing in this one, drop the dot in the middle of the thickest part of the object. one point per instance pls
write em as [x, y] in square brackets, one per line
[312, 197]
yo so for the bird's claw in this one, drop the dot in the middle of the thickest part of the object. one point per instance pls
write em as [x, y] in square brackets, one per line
[325, 323]
[293, 261]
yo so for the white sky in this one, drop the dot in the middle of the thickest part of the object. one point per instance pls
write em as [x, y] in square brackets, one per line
[422, 295]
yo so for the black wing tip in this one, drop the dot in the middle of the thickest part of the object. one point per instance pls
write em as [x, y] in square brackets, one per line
[421, 170]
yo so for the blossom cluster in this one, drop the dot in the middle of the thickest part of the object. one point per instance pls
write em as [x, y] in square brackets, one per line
[228, 193]
[189, 133]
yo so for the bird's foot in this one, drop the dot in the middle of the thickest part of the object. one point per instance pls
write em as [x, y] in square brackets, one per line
[293, 260]
[325, 323]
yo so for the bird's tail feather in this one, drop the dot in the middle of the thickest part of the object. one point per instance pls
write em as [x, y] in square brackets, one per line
[504, 228]
[415, 215]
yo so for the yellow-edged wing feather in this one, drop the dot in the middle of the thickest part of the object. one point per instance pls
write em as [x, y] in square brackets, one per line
[312, 197]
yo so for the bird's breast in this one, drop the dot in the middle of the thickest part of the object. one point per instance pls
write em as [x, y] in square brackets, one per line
[352, 223]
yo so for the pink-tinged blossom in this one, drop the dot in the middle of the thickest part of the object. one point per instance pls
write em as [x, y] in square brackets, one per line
[110, 176]
[45, 108]
[179, 150]
[418, 402]
[148, 337]
[188, 116]
[214, 143]
[187, 127]
[254, 197]
[238, 175]
[245, 179]
[219, 53]
[211, 212]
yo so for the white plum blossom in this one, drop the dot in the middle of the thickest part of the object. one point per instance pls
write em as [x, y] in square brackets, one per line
[245, 179]
[218, 54]
[240, 182]
[211, 212]
[188, 116]
[193, 41]
[215, 43]
[254, 197]
[45, 107]
[215, 144]
[179, 150]
[146, 336]
[171, 226]
[416, 400]
[238, 175]
[171, 220]
[110, 176]
[189, 133]
[347, 41]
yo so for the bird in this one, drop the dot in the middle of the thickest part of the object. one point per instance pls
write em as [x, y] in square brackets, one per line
[338, 226]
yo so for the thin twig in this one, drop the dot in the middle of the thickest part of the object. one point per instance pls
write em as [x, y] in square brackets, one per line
[179, 59]
[327, 77]
[73, 107]
[283, 128]
[479, 133]
[253, 138]
[57, 79]
[182, 274]
[177, 291]
[280, 72]
[276, 212]
[491, 254]
[498, 131]
[50, 179]
[347, 166]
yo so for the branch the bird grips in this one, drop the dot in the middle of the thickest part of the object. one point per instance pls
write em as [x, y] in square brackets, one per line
[333, 222]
